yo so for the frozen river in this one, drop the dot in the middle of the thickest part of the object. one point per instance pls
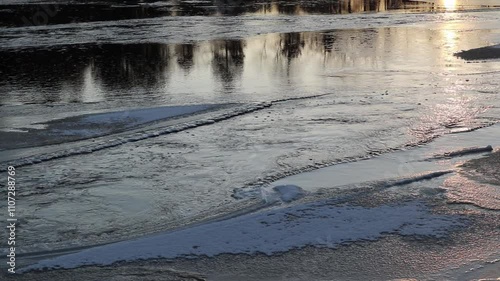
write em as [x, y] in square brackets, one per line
[189, 114]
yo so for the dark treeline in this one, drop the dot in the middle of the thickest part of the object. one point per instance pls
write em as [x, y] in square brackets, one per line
[86, 11]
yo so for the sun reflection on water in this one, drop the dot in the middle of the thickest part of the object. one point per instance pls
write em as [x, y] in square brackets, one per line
[450, 4]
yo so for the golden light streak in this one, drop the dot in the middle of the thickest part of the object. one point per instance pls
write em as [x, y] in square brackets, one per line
[450, 4]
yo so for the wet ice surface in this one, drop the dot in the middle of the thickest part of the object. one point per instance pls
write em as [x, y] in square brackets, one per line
[178, 177]
[392, 85]
[462, 190]
[400, 164]
[270, 232]
[91, 125]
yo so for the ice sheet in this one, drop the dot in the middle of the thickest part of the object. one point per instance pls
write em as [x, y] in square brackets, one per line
[321, 224]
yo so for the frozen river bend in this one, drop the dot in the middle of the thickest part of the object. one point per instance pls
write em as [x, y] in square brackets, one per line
[270, 137]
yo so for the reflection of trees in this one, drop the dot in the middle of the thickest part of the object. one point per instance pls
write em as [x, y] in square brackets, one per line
[185, 55]
[356, 6]
[328, 41]
[233, 7]
[116, 71]
[42, 70]
[119, 70]
[60, 13]
[108, 11]
[128, 66]
[227, 61]
[331, 7]
[291, 45]
[57, 72]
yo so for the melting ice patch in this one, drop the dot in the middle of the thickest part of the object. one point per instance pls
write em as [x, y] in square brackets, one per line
[270, 231]
[288, 193]
[272, 194]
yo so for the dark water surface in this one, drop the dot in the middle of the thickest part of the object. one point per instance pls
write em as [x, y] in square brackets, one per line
[255, 68]
[203, 51]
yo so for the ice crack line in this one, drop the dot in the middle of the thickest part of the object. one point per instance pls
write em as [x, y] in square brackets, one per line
[137, 136]
[146, 134]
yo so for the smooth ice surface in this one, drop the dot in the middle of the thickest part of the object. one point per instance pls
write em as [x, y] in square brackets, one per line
[276, 230]
[140, 116]
[441, 155]
[60, 130]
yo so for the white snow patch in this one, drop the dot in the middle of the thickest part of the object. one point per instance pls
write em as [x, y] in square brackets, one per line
[271, 194]
[289, 193]
[284, 193]
[270, 231]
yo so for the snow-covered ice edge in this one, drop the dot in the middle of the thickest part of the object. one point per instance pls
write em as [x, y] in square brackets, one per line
[269, 231]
